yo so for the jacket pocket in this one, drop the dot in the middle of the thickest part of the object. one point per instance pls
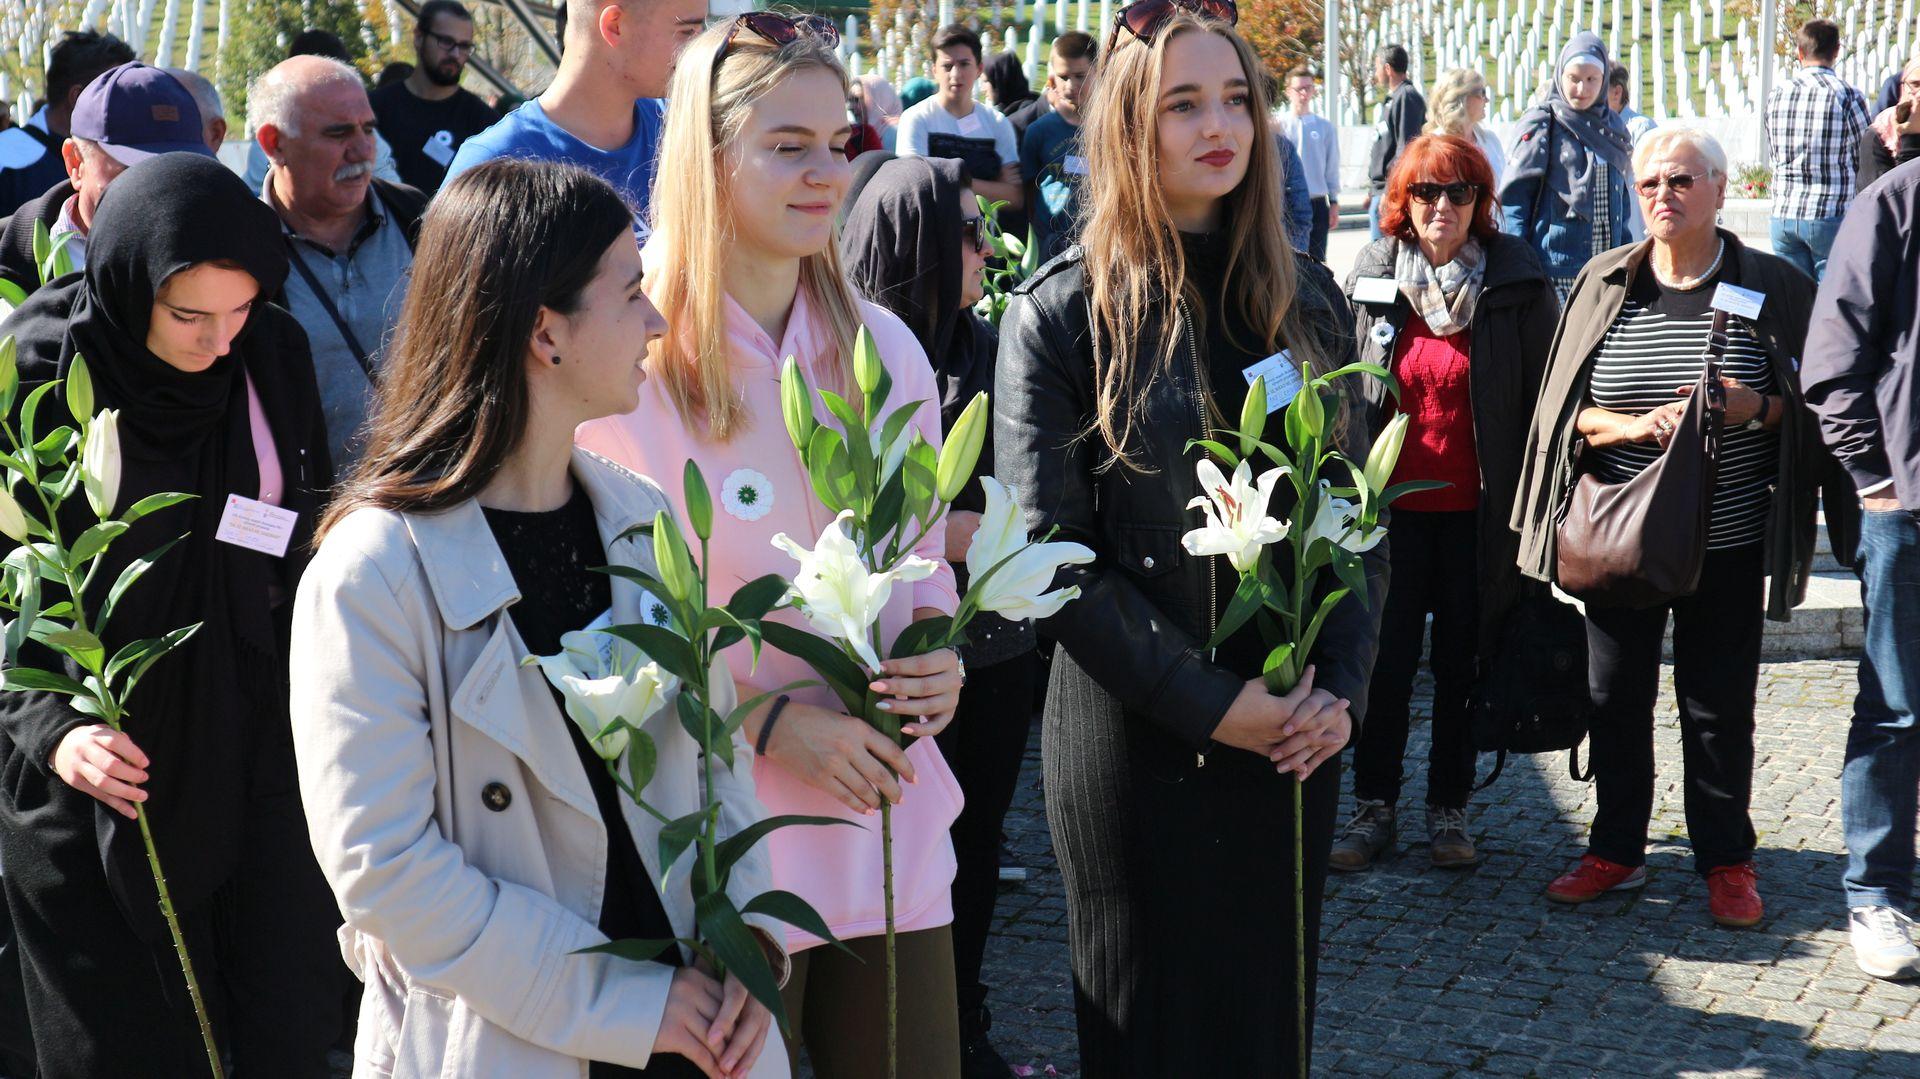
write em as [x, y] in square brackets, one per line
[423, 1047]
[1147, 551]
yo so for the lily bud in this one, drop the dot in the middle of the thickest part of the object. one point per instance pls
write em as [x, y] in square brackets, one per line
[100, 463]
[1253, 415]
[699, 501]
[13, 520]
[867, 368]
[961, 453]
[796, 404]
[1385, 454]
[80, 391]
[9, 374]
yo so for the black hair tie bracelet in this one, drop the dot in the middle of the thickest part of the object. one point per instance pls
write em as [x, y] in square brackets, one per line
[766, 729]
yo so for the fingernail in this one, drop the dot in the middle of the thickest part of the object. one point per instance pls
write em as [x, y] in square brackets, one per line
[885, 706]
[877, 687]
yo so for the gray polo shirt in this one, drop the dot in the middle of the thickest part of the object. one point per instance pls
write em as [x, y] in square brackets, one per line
[367, 284]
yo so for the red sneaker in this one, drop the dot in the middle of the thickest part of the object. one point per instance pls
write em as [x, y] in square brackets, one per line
[1594, 877]
[1732, 897]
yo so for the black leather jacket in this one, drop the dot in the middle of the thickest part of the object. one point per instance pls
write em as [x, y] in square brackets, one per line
[1146, 607]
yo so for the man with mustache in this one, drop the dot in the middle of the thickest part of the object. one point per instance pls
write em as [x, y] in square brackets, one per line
[349, 234]
[427, 116]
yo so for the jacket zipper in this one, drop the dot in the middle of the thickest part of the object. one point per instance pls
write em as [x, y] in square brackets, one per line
[1206, 431]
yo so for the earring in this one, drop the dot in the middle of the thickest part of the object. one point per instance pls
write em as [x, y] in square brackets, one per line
[556, 361]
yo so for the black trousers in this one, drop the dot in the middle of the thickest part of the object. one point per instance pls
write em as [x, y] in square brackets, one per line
[1434, 572]
[1180, 891]
[103, 1001]
[983, 745]
[1716, 668]
[1317, 240]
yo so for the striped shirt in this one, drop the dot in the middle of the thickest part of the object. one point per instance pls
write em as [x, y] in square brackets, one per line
[1658, 344]
[1814, 124]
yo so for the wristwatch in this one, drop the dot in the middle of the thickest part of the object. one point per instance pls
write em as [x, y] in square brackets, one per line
[1759, 422]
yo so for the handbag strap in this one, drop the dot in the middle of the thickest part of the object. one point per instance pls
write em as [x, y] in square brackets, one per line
[340, 323]
[1716, 401]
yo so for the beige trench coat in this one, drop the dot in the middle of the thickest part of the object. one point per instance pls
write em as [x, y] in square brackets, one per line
[453, 818]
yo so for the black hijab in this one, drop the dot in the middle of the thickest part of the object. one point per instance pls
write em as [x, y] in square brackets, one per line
[1008, 80]
[204, 713]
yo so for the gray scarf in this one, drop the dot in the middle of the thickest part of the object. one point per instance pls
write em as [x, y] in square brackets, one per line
[1442, 295]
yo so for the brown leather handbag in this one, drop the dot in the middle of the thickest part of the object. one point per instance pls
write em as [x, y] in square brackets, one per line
[1641, 543]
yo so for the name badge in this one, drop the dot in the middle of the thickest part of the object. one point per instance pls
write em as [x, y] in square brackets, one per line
[1376, 290]
[1076, 165]
[257, 526]
[1282, 376]
[602, 642]
[1735, 300]
[971, 125]
[439, 148]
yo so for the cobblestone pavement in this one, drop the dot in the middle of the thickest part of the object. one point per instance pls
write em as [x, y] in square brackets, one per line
[1430, 972]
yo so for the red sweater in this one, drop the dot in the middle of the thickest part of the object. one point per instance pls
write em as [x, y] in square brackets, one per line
[1436, 391]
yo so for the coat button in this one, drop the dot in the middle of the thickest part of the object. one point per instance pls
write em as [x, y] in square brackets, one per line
[1146, 562]
[496, 796]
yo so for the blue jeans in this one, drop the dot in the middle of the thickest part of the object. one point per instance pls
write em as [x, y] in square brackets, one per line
[1373, 216]
[1878, 784]
[1805, 243]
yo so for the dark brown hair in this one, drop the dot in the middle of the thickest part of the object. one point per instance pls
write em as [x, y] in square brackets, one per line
[1075, 45]
[500, 242]
[952, 37]
[1819, 40]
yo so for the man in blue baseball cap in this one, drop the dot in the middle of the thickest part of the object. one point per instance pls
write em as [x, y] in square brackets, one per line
[127, 114]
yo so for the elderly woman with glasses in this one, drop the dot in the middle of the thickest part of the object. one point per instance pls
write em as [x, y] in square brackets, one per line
[1631, 346]
[1568, 181]
[1460, 109]
[1894, 136]
[1463, 316]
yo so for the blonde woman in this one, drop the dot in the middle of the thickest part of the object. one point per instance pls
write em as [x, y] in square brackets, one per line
[1169, 767]
[744, 265]
[1459, 107]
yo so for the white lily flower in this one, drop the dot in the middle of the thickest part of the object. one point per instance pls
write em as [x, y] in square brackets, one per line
[1018, 591]
[1337, 519]
[596, 691]
[839, 595]
[100, 463]
[1237, 522]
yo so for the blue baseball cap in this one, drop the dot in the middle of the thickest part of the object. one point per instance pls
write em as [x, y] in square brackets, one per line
[134, 112]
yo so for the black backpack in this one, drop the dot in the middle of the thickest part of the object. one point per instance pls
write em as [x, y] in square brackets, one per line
[1532, 696]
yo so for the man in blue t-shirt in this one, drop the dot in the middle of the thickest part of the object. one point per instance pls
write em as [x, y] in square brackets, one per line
[1050, 156]
[604, 110]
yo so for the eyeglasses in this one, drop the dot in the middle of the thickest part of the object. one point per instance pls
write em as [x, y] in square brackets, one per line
[973, 230]
[780, 29]
[1145, 19]
[1458, 193]
[452, 45]
[1481, 93]
[1676, 183]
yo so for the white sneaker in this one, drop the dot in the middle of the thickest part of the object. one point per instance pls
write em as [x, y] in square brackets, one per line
[1883, 942]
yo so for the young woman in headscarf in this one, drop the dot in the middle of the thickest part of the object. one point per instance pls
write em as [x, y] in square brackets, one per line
[216, 395]
[1569, 176]
[913, 242]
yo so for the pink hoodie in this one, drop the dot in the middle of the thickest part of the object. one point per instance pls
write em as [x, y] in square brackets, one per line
[759, 490]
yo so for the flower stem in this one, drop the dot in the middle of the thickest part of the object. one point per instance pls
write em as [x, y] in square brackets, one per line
[893, 985]
[179, 941]
[1299, 933]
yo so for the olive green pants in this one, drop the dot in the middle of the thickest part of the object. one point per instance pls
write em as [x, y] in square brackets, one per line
[837, 1004]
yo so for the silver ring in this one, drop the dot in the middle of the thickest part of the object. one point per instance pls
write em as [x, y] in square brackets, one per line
[961, 662]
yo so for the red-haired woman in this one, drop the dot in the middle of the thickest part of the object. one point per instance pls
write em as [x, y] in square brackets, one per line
[1464, 317]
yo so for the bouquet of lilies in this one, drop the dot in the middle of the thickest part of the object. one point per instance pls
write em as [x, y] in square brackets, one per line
[614, 680]
[888, 488]
[1281, 563]
[81, 458]
[1014, 260]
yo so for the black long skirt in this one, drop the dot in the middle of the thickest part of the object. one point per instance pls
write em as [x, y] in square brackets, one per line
[1180, 891]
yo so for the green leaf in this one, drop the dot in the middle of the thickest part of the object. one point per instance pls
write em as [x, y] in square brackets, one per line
[57, 445]
[919, 472]
[28, 679]
[135, 658]
[11, 295]
[921, 637]
[739, 950]
[707, 730]
[831, 470]
[638, 951]
[699, 500]
[796, 912]
[663, 646]
[1351, 570]
[132, 573]
[29, 612]
[738, 717]
[1277, 670]
[1249, 597]
[752, 601]
[1388, 496]
[675, 837]
[860, 453]
[94, 540]
[1217, 449]
[841, 674]
[895, 425]
[29, 412]
[80, 392]
[888, 517]
[1327, 605]
[642, 758]
[735, 847]
[154, 504]
[84, 647]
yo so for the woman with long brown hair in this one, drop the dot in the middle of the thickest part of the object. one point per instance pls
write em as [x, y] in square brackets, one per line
[1169, 768]
[472, 833]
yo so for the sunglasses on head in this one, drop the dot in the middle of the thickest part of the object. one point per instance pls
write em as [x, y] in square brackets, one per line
[780, 29]
[1145, 19]
[1459, 193]
[1676, 183]
[973, 230]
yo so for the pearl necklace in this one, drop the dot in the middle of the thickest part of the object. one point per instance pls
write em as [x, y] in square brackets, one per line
[1707, 275]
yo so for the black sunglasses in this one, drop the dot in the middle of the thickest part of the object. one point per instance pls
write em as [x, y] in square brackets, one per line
[1145, 19]
[973, 230]
[1458, 193]
[780, 29]
[1676, 183]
